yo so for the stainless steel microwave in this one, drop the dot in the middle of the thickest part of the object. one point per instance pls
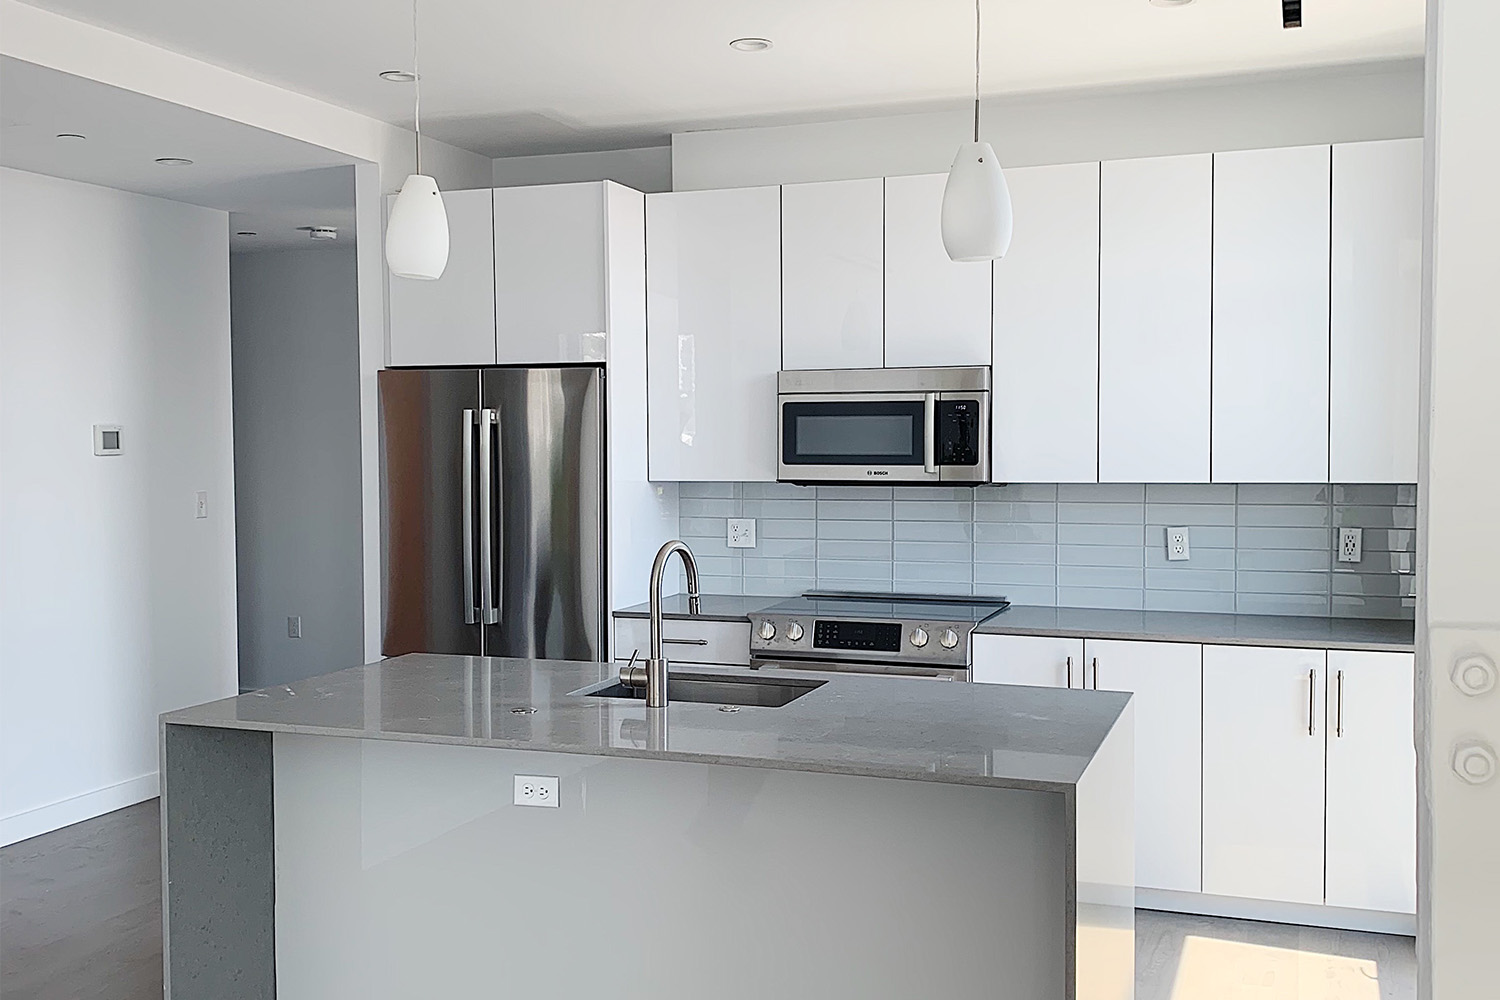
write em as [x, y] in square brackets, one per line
[884, 425]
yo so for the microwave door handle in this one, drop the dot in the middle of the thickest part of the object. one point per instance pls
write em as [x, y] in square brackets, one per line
[929, 420]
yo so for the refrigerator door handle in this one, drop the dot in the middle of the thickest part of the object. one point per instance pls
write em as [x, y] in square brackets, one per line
[489, 610]
[471, 615]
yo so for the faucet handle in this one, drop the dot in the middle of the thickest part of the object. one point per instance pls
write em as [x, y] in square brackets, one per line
[632, 675]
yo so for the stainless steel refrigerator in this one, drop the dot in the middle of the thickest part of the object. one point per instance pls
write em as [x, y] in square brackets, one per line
[492, 503]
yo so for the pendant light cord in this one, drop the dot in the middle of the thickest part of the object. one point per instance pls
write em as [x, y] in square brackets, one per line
[416, 73]
[976, 70]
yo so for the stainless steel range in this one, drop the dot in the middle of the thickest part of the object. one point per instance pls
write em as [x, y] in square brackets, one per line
[893, 635]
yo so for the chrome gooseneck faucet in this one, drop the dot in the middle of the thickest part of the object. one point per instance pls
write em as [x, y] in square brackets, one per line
[654, 675]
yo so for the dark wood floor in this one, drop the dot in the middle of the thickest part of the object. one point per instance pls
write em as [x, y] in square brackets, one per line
[81, 920]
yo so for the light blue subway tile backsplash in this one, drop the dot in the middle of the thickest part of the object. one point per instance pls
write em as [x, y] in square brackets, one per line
[1255, 548]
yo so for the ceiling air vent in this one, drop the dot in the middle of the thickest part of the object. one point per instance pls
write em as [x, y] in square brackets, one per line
[1291, 13]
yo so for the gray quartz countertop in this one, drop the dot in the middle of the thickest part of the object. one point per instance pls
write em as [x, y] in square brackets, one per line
[1091, 623]
[1186, 626]
[972, 734]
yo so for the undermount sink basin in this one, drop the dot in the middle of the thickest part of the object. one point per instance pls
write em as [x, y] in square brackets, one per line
[717, 689]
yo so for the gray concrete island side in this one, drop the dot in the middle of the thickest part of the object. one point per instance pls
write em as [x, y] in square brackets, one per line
[355, 835]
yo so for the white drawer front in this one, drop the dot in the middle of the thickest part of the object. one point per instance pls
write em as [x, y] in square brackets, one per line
[712, 642]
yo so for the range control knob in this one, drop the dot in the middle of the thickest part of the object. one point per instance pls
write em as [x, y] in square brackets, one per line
[949, 638]
[919, 637]
[767, 631]
[794, 631]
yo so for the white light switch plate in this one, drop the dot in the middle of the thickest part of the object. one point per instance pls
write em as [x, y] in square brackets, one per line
[535, 790]
[1177, 544]
[741, 533]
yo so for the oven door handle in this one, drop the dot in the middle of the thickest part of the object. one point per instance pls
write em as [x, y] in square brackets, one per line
[929, 421]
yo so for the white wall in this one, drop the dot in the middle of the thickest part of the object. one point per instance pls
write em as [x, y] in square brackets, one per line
[1380, 102]
[116, 603]
[1458, 604]
[648, 169]
[295, 336]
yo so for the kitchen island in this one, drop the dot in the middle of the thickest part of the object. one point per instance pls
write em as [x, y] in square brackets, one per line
[358, 835]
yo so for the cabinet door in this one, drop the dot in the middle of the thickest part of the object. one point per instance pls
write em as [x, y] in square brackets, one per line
[832, 261]
[1035, 661]
[713, 333]
[1155, 319]
[1271, 258]
[1167, 681]
[1376, 312]
[450, 321]
[1372, 782]
[937, 312]
[1263, 773]
[549, 274]
[1046, 339]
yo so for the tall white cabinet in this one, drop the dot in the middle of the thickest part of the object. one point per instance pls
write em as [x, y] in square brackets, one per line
[450, 321]
[1271, 334]
[1372, 781]
[1376, 312]
[1155, 319]
[937, 312]
[713, 314]
[1046, 330]
[832, 274]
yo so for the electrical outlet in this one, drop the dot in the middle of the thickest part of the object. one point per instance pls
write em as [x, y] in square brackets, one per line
[741, 533]
[1177, 544]
[201, 510]
[1351, 545]
[532, 790]
[294, 627]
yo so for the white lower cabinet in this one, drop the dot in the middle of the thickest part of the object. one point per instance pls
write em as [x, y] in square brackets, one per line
[1167, 681]
[1263, 767]
[1372, 782]
[1032, 660]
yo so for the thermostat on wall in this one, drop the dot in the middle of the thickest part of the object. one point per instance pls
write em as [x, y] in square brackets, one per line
[107, 439]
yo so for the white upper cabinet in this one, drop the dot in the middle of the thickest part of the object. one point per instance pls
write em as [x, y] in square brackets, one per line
[1046, 329]
[1270, 346]
[1031, 660]
[937, 312]
[713, 321]
[1376, 311]
[1372, 782]
[1263, 773]
[832, 274]
[550, 274]
[1155, 319]
[1166, 679]
[450, 321]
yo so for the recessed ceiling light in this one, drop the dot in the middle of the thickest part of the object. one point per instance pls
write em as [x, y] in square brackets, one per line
[750, 44]
[1170, 3]
[320, 232]
[174, 161]
[246, 232]
[71, 135]
[398, 76]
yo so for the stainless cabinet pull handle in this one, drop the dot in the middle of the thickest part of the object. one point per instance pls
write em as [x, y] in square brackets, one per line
[1070, 671]
[470, 614]
[1339, 715]
[489, 609]
[929, 453]
[1312, 702]
[1096, 673]
[688, 642]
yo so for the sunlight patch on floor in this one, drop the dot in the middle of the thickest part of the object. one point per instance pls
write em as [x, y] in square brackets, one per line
[1213, 969]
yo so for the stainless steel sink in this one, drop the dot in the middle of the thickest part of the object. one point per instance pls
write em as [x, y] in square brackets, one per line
[716, 689]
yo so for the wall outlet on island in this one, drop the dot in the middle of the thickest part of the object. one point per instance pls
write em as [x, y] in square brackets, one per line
[741, 533]
[534, 790]
[294, 627]
[1177, 544]
[1351, 545]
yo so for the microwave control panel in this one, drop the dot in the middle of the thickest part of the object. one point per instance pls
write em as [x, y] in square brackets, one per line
[958, 431]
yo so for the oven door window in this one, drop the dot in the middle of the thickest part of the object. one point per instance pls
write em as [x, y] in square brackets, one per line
[876, 433]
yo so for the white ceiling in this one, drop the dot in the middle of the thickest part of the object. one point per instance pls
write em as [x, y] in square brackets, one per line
[508, 77]
[269, 184]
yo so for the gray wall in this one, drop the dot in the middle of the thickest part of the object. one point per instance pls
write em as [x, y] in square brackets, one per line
[295, 340]
[1256, 549]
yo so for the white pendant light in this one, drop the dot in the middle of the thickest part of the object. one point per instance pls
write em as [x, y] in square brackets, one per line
[416, 235]
[977, 218]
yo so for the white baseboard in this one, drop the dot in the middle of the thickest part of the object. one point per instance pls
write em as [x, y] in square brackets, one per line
[56, 815]
[1377, 921]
